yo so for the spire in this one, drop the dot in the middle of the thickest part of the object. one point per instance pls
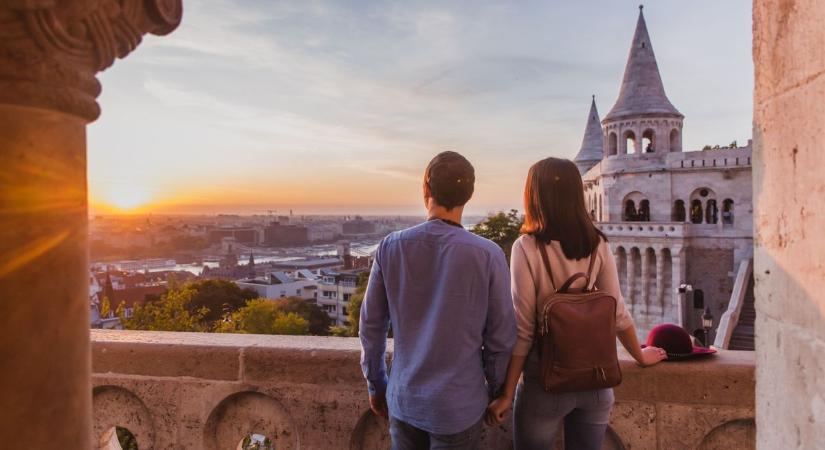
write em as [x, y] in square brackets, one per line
[592, 148]
[642, 92]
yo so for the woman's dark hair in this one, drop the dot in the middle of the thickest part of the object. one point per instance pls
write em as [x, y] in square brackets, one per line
[554, 208]
[451, 179]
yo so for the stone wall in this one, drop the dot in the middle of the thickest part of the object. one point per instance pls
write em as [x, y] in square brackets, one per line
[789, 189]
[207, 391]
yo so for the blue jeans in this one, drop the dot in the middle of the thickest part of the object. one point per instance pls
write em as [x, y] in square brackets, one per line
[407, 437]
[537, 416]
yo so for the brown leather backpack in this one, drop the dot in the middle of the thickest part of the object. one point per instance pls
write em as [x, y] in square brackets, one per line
[576, 335]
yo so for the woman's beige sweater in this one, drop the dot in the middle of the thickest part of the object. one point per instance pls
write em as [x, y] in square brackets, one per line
[528, 276]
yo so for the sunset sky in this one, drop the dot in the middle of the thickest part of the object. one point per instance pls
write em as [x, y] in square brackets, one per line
[336, 107]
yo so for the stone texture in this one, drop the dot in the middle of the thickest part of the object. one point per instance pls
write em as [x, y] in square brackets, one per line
[307, 392]
[789, 189]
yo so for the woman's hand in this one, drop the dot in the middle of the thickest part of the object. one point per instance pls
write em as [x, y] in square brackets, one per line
[497, 410]
[651, 356]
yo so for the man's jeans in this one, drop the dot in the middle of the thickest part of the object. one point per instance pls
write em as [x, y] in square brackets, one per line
[407, 437]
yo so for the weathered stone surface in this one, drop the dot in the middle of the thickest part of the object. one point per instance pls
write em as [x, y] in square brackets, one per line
[307, 392]
[789, 189]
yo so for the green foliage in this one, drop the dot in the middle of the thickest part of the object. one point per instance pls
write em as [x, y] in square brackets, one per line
[264, 316]
[256, 442]
[353, 309]
[340, 331]
[218, 297]
[319, 321]
[173, 312]
[502, 228]
[126, 439]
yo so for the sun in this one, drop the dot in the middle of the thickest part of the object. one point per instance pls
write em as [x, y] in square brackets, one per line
[126, 198]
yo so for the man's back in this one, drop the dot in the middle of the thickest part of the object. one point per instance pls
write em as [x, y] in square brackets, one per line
[447, 293]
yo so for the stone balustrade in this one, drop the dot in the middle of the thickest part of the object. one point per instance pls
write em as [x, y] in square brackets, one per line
[645, 229]
[208, 391]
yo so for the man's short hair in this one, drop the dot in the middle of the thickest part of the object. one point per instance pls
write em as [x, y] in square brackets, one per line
[451, 179]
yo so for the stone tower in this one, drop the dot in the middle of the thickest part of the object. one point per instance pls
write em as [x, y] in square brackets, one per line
[643, 120]
[591, 151]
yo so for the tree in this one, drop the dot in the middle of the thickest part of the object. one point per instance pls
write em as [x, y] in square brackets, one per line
[502, 228]
[353, 309]
[218, 297]
[317, 319]
[264, 316]
[172, 312]
[105, 307]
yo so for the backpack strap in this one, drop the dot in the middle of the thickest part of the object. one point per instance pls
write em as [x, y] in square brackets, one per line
[546, 260]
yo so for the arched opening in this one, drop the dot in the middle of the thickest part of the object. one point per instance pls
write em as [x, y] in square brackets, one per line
[711, 212]
[612, 144]
[630, 213]
[696, 213]
[629, 142]
[727, 212]
[649, 141]
[255, 441]
[118, 438]
[601, 218]
[698, 299]
[675, 142]
[679, 213]
[644, 211]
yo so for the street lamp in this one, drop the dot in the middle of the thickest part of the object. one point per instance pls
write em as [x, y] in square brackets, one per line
[707, 323]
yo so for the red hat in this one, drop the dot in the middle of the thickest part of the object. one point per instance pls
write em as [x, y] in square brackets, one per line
[676, 342]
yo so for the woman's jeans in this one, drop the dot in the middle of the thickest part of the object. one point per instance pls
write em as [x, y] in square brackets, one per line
[537, 415]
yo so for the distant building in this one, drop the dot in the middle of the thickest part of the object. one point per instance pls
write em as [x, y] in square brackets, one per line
[278, 234]
[280, 284]
[245, 235]
[334, 292]
[308, 264]
[358, 226]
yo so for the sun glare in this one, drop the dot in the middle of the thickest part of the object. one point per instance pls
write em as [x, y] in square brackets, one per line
[125, 199]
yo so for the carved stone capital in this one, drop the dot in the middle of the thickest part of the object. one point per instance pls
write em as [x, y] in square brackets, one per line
[52, 50]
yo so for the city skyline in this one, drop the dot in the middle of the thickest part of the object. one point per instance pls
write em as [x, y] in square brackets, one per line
[331, 110]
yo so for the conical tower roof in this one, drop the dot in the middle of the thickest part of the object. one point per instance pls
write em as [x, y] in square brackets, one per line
[592, 148]
[642, 92]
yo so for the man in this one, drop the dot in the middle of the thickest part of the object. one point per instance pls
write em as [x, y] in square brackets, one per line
[446, 292]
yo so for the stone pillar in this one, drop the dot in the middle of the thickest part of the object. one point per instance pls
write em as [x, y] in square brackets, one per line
[788, 192]
[631, 281]
[680, 307]
[645, 284]
[50, 53]
[660, 279]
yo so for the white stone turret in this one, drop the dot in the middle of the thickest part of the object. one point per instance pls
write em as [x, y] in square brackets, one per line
[591, 151]
[642, 112]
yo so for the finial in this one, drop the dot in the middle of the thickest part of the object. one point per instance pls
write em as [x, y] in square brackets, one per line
[641, 7]
[594, 97]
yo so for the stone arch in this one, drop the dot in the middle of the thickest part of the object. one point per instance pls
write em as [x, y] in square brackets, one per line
[679, 213]
[649, 141]
[629, 214]
[698, 204]
[675, 140]
[644, 210]
[247, 412]
[612, 144]
[711, 211]
[727, 211]
[114, 406]
[628, 137]
[369, 434]
[738, 433]
[631, 207]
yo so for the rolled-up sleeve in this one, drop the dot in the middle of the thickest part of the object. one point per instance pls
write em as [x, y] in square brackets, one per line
[373, 326]
[524, 299]
[608, 281]
[500, 327]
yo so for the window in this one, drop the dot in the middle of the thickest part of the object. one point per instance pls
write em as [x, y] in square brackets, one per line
[612, 144]
[679, 213]
[696, 211]
[629, 142]
[711, 212]
[644, 211]
[698, 299]
[630, 213]
[675, 144]
[346, 297]
[649, 141]
[727, 212]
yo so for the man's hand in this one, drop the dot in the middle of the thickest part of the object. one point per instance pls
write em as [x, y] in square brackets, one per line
[497, 410]
[378, 405]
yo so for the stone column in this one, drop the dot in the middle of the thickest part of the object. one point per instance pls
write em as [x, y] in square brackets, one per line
[631, 281]
[660, 279]
[645, 281]
[50, 53]
[680, 307]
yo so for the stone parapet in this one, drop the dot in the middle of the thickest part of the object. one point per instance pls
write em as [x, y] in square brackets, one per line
[207, 391]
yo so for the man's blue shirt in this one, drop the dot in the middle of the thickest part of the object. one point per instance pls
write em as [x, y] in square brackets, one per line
[446, 292]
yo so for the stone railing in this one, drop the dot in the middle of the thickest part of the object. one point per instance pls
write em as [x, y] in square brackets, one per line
[209, 391]
[644, 229]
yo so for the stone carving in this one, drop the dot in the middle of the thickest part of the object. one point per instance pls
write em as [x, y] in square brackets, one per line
[739, 434]
[370, 433]
[244, 413]
[114, 406]
[51, 51]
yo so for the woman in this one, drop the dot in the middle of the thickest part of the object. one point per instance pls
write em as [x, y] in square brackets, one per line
[555, 216]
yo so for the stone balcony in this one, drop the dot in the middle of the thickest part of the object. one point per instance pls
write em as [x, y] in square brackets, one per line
[645, 229]
[208, 391]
